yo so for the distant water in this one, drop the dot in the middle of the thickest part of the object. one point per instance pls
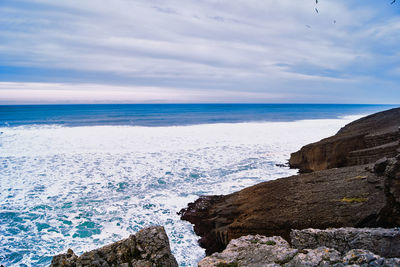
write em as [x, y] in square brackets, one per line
[173, 114]
[81, 176]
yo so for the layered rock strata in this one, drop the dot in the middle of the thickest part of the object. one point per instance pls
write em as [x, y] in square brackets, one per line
[358, 196]
[256, 251]
[360, 142]
[148, 248]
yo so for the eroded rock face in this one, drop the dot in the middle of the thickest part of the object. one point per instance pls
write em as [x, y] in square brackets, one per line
[360, 142]
[148, 248]
[256, 251]
[384, 242]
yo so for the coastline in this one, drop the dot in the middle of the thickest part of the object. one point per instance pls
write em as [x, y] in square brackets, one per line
[354, 193]
[247, 226]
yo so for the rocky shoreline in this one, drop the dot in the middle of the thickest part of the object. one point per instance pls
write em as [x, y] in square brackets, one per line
[351, 179]
[365, 195]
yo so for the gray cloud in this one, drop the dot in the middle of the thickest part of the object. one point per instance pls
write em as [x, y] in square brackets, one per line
[248, 46]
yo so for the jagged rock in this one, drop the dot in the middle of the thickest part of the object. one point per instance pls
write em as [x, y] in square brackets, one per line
[360, 257]
[149, 248]
[67, 260]
[257, 251]
[384, 242]
[360, 142]
[253, 251]
[321, 256]
[380, 165]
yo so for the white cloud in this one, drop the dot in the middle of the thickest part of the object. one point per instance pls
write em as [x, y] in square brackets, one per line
[34, 93]
[200, 44]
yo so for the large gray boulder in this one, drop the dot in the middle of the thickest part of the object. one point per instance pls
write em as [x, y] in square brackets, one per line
[260, 251]
[148, 248]
[252, 251]
[384, 242]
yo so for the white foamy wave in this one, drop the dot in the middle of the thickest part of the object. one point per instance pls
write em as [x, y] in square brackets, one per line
[353, 117]
[83, 187]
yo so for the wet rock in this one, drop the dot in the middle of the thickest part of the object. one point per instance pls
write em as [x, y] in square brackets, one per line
[148, 248]
[384, 242]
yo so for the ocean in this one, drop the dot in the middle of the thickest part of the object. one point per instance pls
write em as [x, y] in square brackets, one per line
[82, 176]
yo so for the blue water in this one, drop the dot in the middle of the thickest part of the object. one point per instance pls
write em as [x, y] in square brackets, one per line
[173, 114]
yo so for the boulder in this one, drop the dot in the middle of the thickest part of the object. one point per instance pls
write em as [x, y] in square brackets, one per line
[148, 248]
[252, 251]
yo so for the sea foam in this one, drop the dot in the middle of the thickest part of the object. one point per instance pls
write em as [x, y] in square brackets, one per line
[83, 187]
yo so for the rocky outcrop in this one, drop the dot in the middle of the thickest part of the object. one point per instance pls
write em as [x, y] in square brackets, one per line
[357, 196]
[384, 242]
[255, 251]
[149, 247]
[360, 142]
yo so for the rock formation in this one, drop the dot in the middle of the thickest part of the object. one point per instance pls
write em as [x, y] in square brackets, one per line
[383, 242]
[357, 196]
[148, 248]
[255, 251]
[360, 142]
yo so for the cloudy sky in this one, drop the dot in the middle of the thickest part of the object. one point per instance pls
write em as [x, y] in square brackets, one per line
[179, 51]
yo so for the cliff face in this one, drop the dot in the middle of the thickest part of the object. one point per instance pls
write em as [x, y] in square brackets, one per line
[360, 142]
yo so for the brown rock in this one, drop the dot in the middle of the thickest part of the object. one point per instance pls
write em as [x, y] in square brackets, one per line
[357, 195]
[360, 142]
[331, 198]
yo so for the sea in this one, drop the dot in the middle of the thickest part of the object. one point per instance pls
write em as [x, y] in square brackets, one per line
[83, 176]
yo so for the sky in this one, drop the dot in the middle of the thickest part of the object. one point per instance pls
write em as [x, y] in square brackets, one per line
[199, 51]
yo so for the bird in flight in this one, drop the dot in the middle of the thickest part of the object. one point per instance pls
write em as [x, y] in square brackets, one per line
[394, 1]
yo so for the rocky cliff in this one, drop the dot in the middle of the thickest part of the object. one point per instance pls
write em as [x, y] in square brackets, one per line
[148, 248]
[357, 196]
[360, 142]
